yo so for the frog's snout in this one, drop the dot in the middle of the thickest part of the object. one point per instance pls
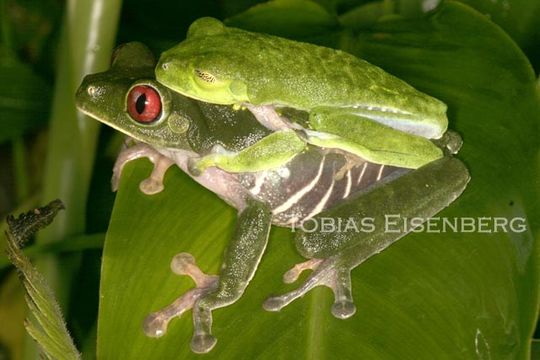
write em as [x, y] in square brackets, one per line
[89, 92]
[169, 68]
[163, 67]
[81, 95]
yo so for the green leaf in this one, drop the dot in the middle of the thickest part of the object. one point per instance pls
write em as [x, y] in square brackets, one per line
[297, 18]
[364, 17]
[46, 324]
[519, 18]
[24, 97]
[430, 296]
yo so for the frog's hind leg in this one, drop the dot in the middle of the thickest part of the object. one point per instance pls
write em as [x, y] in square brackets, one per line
[328, 272]
[239, 265]
[155, 324]
[417, 194]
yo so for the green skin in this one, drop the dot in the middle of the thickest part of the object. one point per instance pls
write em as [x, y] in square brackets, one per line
[188, 129]
[223, 65]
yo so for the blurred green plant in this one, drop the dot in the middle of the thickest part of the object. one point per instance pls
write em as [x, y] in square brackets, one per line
[461, 295]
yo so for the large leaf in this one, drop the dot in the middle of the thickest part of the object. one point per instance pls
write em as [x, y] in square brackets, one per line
[298, 18]
[442, 295]
[520, 18]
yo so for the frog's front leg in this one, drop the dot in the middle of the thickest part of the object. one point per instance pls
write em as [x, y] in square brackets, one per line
[154, 183]
[270, 152]
[418, 194]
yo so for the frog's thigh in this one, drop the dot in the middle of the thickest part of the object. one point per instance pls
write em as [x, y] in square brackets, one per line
[420, 193]
[370, 140]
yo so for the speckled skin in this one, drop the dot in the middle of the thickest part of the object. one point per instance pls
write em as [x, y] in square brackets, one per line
[263, 69]
[317, 183]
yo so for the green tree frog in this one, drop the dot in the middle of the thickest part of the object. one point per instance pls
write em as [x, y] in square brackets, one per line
[313, 184]
[351, 104]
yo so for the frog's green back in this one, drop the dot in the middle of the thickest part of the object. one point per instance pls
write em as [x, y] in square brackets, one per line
[284, 72]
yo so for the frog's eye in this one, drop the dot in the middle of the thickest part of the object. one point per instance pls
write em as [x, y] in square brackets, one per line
[205, 76]
[144, 104]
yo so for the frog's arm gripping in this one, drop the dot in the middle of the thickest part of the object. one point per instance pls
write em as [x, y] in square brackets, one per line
[154, 183]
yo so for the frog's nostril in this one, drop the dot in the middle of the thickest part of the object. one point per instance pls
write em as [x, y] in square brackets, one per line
[92, 90]
[165, 66]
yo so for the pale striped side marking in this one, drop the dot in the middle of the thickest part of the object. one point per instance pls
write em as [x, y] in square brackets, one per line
[380, 172]
[361, 174]
[349, 184]
[300, 193]
[322, 203]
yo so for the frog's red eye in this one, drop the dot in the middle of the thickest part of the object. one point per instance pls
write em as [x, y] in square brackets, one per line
[144, 104]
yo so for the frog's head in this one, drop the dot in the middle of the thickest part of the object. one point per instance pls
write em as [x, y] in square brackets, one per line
[202, 68]
[129, 99]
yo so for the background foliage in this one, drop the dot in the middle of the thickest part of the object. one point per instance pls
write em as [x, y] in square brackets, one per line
[462, 295]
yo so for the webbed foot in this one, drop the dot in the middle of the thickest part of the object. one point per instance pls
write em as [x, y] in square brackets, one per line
[155, 324]
[328, 272]
[154, 183]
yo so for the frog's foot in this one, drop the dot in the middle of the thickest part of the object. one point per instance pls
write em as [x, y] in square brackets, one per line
[154, 183]
[351, 161]
[155, 324]
[328, 272]
[450, 142]
[203, 341]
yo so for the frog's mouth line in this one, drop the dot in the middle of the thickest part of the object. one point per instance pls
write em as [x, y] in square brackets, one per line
[108, 123]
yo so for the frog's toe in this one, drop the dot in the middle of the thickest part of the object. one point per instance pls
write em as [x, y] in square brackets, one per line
[274, 303]
[343, 309]
[202, 343]
[155, 324]
[154, 184]
[330, 273]
[184, 264]
[151, 186]
[293, 273]
[115, 181]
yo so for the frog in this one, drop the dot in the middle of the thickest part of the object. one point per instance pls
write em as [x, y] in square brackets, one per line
[349, 103]
[171, 129]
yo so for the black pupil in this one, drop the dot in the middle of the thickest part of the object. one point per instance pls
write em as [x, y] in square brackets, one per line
[140, 104]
